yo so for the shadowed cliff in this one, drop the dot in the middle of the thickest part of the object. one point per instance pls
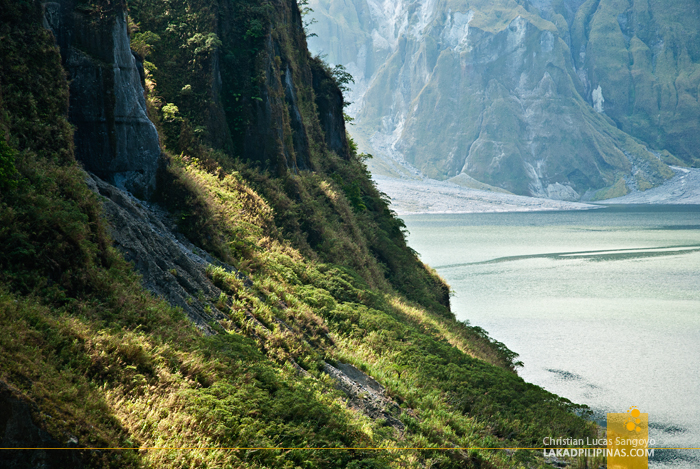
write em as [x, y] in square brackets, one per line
[114, 137]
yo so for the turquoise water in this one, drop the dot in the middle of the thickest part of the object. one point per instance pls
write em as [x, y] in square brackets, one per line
[603, 306]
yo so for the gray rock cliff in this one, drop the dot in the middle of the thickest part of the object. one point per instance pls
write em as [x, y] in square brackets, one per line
[170, 266]
[329, 103]
[114, 137]
[276, 136]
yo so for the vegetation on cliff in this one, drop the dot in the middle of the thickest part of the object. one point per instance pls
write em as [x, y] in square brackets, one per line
[257, 176]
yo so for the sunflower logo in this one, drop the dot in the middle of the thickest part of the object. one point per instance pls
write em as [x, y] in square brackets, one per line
[633, 420]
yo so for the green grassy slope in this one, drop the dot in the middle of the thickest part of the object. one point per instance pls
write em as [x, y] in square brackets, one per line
[332, 279]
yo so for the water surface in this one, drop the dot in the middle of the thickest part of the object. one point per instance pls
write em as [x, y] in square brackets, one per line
[603, 306]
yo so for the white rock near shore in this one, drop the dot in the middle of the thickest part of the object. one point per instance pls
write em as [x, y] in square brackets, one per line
[431, 196]
[683, 188]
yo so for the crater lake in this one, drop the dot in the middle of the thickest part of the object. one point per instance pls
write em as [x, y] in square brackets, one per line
[603, 306]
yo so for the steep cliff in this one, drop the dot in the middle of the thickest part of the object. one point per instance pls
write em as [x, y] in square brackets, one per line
[114, 137]
[547, 98]
[643, 57]
[283, 115]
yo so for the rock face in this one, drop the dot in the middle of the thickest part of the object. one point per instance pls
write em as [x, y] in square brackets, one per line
[329, 103]
[114, 137]
[550, 98]
[365, 394]
[644, 58]
[276, 136]
[267, 122]
[171, 266]
[119, 145]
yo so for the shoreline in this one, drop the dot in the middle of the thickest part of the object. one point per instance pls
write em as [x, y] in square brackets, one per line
[429, 196]
[426, 196]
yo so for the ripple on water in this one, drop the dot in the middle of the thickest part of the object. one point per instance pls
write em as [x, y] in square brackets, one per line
[603, 306]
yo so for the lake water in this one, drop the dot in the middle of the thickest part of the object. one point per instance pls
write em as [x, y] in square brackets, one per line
[603, 306]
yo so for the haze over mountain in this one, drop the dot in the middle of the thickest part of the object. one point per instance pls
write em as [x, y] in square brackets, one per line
[565, 99]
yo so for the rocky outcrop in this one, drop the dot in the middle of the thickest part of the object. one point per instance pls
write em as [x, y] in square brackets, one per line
[555, 99]
[365, 394]
[171, 266]
[19, 430]
[276, 134]
[119, 145]
[329, 103]
[114, 137]
[293, 104]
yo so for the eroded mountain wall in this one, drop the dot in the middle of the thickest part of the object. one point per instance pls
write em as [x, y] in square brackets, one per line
[644, 58]
[540, 98]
